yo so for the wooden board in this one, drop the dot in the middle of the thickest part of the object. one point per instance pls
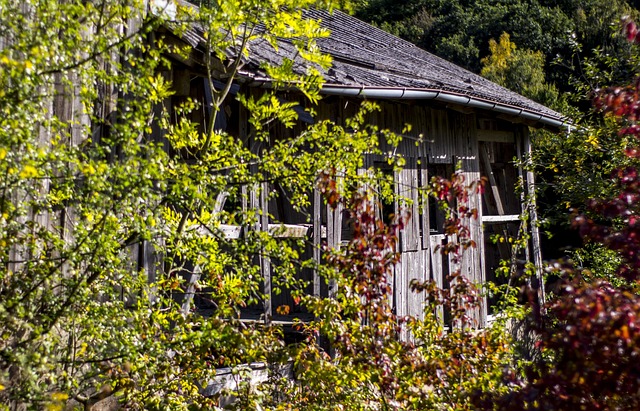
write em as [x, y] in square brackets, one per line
[472, 265]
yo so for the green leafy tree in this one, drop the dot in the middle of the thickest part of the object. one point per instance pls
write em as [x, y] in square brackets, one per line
[577, 166]
[460, 30]
[96, 168]
[519, 70]
[589, 337]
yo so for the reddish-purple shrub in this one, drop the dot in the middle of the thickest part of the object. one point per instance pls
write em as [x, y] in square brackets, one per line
[590, 338]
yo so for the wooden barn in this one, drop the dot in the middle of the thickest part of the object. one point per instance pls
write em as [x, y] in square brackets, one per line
[461, 118]
[111, 231]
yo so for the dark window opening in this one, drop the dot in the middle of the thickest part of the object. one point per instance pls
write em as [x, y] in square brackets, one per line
[436, 213]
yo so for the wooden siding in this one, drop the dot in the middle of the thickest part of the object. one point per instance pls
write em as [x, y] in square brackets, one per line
[437, 136]
[440, 139]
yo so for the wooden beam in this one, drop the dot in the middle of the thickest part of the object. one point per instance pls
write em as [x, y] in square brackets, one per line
[496, 136]
[437, 269]
[317, 236]
[334, 238]
[517, 120]
[460, 109]
[533, 214]
[289, 230]
[191, 290]
[230, 232]
[523, 195]
[500, 218]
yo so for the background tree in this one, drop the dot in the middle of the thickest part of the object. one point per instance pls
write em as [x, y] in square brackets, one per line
[519, 70]
[460, 31]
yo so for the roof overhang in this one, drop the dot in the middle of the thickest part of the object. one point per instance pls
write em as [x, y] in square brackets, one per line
[516, 113]
[443, 96]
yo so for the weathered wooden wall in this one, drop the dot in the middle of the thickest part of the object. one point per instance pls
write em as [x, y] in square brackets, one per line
[440, 140]
[438, 137]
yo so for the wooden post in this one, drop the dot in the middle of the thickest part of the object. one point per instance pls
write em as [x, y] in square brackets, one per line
[334, 237]
[191, 290]
[533, 217]
[427, 245]
[265, 262]
[524, 193]
[317, 238]
[437, 269]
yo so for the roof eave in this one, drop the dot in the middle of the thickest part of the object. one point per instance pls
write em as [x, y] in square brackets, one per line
[404, 93]
[446, 97]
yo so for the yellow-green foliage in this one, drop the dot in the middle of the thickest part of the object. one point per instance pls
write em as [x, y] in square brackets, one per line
[519, 70]
[113, 167]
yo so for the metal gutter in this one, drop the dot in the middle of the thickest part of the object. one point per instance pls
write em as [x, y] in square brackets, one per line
[446, 97]
[431, 94]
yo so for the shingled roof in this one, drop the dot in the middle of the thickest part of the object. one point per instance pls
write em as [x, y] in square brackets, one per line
[371, 63]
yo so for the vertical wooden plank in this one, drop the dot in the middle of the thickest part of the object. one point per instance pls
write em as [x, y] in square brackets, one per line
[398, 277]
[243, 134]
[338, 112]
[413, 236]
[472, 265]
[424, 198]
[254, 206]
[43, 218]
[401, 289]
[265, 262]
[150, 263]
[418, 272]
[443, 148]
[67, 107]
[437, 269]
[334, 234]
[331, 243]
[400, 274]
[523, 194]
[126, 295]
[317, 238]
[420, 215]
[190, 292]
